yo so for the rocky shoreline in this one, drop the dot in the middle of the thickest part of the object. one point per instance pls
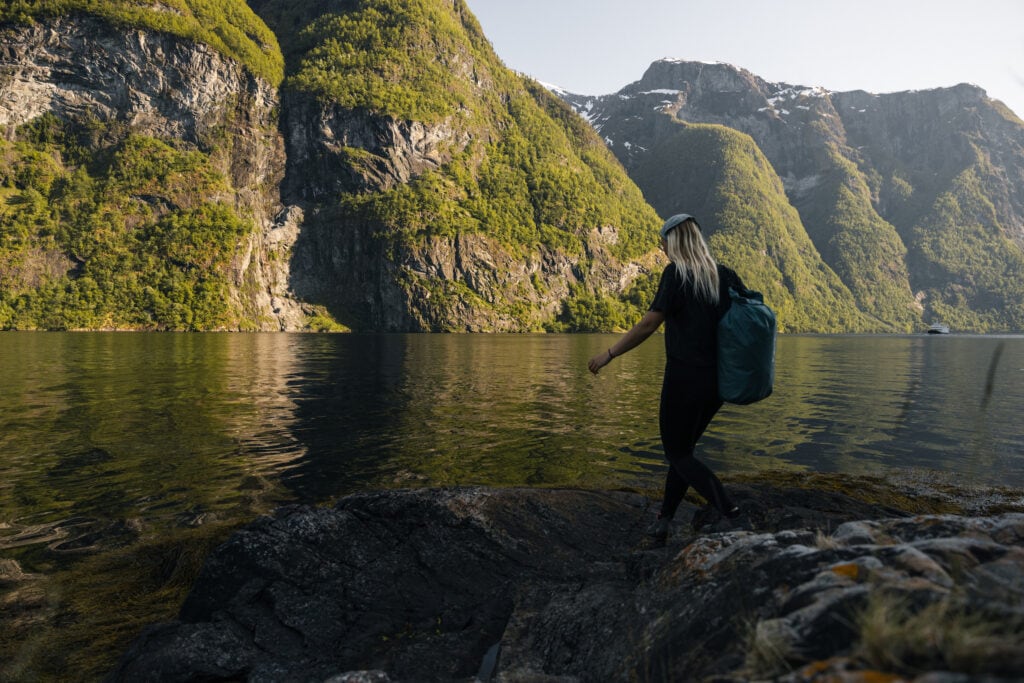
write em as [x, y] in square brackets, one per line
[561, 585]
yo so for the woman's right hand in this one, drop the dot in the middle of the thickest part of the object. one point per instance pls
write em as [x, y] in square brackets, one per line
[599, 361]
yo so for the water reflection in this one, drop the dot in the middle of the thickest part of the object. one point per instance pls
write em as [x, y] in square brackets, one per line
[106, 434]
[349, 395]
[865, 404]
[399, 410]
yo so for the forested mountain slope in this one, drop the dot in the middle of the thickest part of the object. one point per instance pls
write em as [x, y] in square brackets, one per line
[914, 199]
[168, 166]
[442, 191]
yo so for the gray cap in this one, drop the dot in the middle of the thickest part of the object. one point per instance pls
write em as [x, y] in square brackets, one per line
[676, 220]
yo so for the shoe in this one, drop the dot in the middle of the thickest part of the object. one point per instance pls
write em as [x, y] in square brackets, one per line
[712, 521]
[739, 520]
[705, 516]
[659, 529]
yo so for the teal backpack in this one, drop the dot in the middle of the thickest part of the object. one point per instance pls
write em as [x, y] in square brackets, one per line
[746, 348]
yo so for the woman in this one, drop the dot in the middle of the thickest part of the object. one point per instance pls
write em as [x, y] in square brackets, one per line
[690, 300]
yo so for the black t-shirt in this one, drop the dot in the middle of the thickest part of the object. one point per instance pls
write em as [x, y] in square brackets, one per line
[691, 326]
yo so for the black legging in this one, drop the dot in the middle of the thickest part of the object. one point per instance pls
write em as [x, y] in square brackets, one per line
[689, 399]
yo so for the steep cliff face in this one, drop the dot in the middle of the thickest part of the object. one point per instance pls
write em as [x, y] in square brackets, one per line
[434, 266]
[105, 84]
[461, 200]
[874, 179]
[342, 260]
[944, 131]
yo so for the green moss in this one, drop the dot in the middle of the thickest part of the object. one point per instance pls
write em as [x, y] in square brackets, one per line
[938, 499]
[323, 322]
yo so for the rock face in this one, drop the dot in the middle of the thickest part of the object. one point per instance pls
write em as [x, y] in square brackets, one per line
[438, 247]
[531, 585]
[880, 182]
[83, 69]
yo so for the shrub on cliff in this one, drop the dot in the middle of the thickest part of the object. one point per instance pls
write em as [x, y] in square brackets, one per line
[125, 235]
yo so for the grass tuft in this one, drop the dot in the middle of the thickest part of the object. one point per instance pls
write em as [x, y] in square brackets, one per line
[944, 635]
[769, 649]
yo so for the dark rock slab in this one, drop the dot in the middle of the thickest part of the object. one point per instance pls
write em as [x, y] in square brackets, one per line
[420, 584]
[560, 585]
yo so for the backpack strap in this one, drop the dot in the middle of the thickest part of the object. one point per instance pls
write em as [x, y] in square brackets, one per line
[727, 278]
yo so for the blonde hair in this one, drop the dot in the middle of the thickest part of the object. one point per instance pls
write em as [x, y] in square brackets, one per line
[687, 249]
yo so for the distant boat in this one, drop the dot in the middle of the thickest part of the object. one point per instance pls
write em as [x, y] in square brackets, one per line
[938, 328]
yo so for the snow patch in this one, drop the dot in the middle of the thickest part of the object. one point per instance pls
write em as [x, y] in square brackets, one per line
[554, 88]
[791, 93]
[676, 60]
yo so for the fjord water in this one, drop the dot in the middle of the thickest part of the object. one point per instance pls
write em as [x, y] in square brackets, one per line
[172, 429]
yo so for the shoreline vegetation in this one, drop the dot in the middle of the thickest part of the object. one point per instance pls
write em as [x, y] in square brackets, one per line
[83, 618]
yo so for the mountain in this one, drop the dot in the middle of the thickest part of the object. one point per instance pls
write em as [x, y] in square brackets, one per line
[207, 164]
[442, 191]
[913, 200]
[372, 165]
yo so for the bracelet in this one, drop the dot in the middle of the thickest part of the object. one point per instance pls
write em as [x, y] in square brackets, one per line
[610, 354]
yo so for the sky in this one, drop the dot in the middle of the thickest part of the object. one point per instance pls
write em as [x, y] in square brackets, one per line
[595, 47]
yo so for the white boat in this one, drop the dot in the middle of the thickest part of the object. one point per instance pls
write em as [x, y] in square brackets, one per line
[938, 328]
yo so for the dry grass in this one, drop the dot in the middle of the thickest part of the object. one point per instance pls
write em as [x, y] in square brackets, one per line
[769, 649]
[823, 541]
[943, 635]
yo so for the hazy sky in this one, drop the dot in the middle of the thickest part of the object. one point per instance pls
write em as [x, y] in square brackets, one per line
[595, 47]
